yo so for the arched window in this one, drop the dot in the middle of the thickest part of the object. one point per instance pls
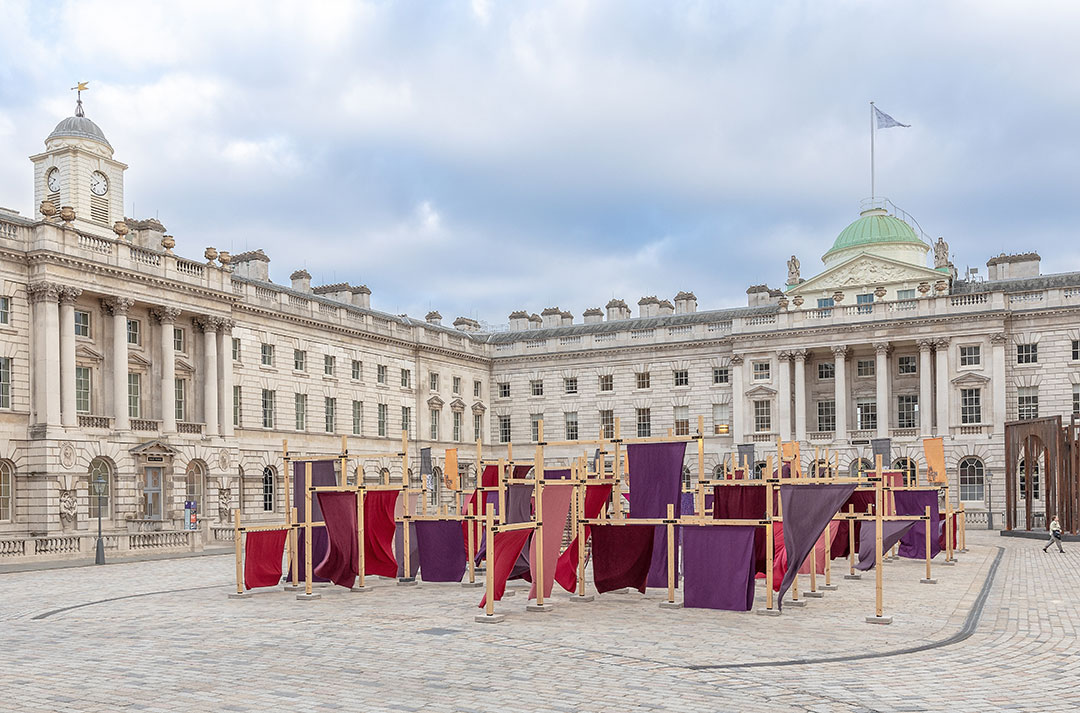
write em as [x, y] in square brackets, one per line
[268, 489]
[7, 491]
[436, 484]
[384, 475]
[100, 469]
[859, 465]
[907, 467]
[686, 478]
[194, 477]
[1022, 472]
[718, 472]
[971, 479]
[818, 468]
[759, 469]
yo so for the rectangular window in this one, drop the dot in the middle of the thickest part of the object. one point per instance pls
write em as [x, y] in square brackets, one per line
[1076, 398]
[383, 417]
[907, 411]
[1027, 353]
[268, 490]
[826, 416]
[406, 379]
[456, 421]
[681, 377]
[299, 360]
[504, 389]
[721, 416]
[535, 419]
[134, 395]
[1027, 402]
[970, 356]
[825, 302]
[236, 400]
[5, 310]
[267, 408]
[866, 414]
[644, 422]
[134, 332]
[434, 424]
[357, 369]
[179, 340]
[358, 418]
[826, 371]
[607, 423]
[720, 375]
[570, 385]
[607, 382]
[864, 303]
[5, 382]
[329, 365]
[236, 348]
[682, 420]
[504, 429]
[455, 385]
[180, 388]
[406, 420]
[865, 367]
[907, 365]
[477, 389]
[267, 353]
[762, 370]
[536, 387]
[905, 294]
[330, 413]
[82, 389]
[1076, 350]
[301, 412]
[82, 323]
[970, 406]
[477, 426]
[644, 380]
[763, 416]
[433, 381]
[380, 374]
[570, 421]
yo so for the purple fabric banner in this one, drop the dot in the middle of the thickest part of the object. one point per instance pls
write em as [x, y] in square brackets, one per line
[807, 512]
[442, 550]
[891, 532]
[914, 502]
[399, 549]
[322, 473]
[718, 567]
[656, 482]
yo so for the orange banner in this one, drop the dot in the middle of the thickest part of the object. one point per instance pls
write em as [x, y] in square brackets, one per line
[450, 470]
[934, 450]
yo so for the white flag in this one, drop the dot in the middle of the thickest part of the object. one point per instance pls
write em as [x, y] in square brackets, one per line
[884, 121]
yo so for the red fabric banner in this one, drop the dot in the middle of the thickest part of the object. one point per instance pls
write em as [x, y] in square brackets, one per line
[508, 545]
[556, 508]
[596, 499]
[379, 532]
[262, 558]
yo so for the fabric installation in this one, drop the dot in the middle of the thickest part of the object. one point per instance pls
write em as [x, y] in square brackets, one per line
[656, 482]
[399, 539]
[489, 478]
[914, 502]
[807, 512]
[744, 502]
[322, 474]
[507, 547]
[621, 556]
[891, 532]
[441, 549]
[718, 567]
[341, 563]
[596, 499]
[556, 508]
[379, 530]
[262, 558]
[863, 502]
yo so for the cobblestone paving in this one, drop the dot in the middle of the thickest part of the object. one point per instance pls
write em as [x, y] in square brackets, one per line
[163, 636]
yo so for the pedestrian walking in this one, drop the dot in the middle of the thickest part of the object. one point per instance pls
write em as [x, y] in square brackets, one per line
[1055, 535]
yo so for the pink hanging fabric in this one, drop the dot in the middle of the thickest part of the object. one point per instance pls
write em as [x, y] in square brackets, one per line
[556, 508]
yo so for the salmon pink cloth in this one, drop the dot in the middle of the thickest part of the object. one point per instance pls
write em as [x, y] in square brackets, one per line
[621, 556]
[596, 499]
[379, 528]
[262, 558]
[341, 563]
[556, 508]
[508, 546]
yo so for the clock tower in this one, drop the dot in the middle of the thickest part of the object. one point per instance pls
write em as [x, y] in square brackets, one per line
[77, 169]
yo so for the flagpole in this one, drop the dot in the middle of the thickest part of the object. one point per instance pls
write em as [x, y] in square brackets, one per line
[871, 153]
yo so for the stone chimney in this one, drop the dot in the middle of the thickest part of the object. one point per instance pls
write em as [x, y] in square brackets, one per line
[594, 315]
[145, 233]
[301, 280]
[685, 303]
[254, 265]
[361, 297]
[535, 322]
[339, 292]
[433, 317]
[552, 317]
[648, 307]
[519, 321]
[1011, 267]
[465, 324]
[666, 308]
[566, 319]
[616, 310]
[758, 295]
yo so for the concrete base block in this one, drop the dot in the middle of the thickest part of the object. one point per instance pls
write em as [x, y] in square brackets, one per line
[240, 595]
[472, 585]
[796, 603]
[963, 550]
[830, 587]
[924, 580]
[308, 597]
[509, 593]
[879, 620]
[852, 576]
[580, 599]
[813, 595]
[539, 608]
[767, 612]
[671, 605]
[293, 587]
[407, 582]
[485, 619]
[948, 563]
[360, 590]
[624, 590]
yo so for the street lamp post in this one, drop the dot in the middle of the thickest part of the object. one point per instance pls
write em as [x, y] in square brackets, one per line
[99, 490]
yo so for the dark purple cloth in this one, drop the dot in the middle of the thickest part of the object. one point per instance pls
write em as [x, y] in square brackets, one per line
[322, 473]
[442, 550]
[656, 482]
[621, 556]
[914, 502]
[718, 567]
[891, 532]
[807, 512]
[558, 474]
[342, 560]
[399, 549]
[742, 502]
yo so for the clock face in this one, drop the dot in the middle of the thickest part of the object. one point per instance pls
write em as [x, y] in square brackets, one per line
[99, 184]
[53, 180]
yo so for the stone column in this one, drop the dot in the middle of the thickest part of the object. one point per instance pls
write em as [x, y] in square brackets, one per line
[225, 377]
[166, 316]
[209, 327]
[783, 398]
[738, 406]
[118, 307]
[68, 416]
[997, 342]
[800, 394]
[925, 389]
[941, 355]
[840, 393]
[46, 368]
[881, 375]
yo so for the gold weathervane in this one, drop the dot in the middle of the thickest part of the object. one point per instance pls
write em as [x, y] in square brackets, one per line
[80, 87]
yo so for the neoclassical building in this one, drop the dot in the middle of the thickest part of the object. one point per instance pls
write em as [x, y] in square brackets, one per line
[174, 380]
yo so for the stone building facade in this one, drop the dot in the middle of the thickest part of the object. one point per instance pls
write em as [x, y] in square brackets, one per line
[174, 380]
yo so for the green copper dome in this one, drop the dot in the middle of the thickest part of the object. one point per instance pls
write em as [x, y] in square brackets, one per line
[875, 227]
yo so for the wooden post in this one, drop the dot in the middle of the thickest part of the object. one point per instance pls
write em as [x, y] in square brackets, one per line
[503, 471]
[406, 509]
[879, 506]
[472, 545]
[237, 535]
[769, 547]
[851, 545]
[290, 511]
[361, 496]
[538, 532]
[948, 525]
[308, 566]
[828, 556]
[617, 471]
[929, 579]
[294, 562]
[962, 529]
[701, 466]
[581, 540]
[670, 554]
[489, 570]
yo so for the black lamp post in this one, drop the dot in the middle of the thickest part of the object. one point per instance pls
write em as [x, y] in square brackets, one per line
[99, 489]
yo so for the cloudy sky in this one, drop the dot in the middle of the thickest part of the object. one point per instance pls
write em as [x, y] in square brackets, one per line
[480, 156]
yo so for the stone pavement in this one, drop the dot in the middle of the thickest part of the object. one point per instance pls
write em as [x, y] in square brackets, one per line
[163, 636]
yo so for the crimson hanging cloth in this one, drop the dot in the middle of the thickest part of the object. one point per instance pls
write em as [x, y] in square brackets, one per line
[621, 556]
[262, 558]
[656, 482]
[341, 563]
[507, 547]
[489, 478]
[596, 499]
[379, 528]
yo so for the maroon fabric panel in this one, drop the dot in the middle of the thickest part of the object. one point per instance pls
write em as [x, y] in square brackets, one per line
[744, 502]
[596, 499]
[262, 558]
[621, 556]
[341, 563]
[718, 562]
[379, 528]
[861, 499]
[508, 546]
